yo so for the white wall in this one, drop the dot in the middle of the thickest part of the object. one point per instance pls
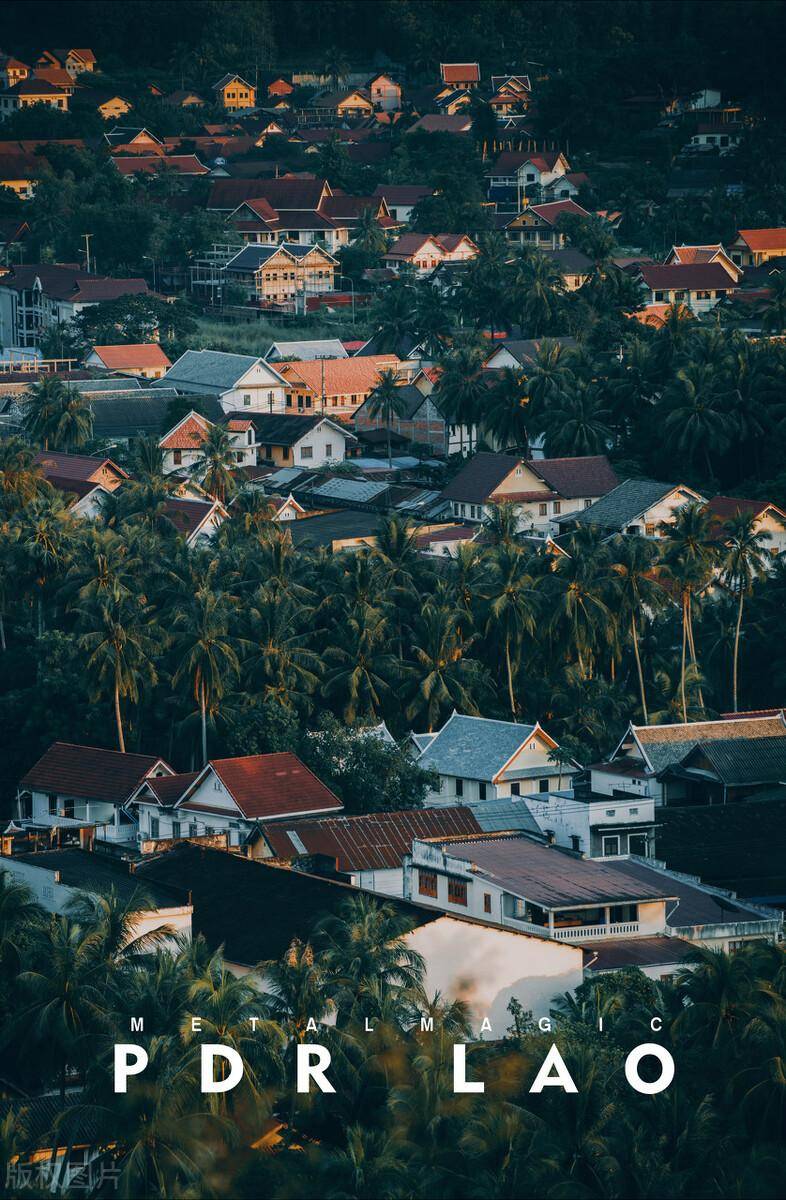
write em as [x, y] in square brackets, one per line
[326, 443]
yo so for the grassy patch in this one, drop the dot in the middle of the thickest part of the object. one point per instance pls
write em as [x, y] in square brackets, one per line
[255, 337]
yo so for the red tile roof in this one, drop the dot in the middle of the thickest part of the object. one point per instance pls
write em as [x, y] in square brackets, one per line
[187, 515]
[374, 841]
[590, 475]
[764, 239]
[188, 435]
[179, 164]
[460, 72]
[342, 376]
[89, 773]
[136, 355]
[550, 213]
[267, 786]
[169, 788]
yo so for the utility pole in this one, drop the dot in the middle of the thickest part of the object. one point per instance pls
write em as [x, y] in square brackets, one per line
[87, 237]
[322, 364]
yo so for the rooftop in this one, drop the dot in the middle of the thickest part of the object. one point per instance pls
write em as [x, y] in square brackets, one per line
[96, 872]
[133, 356]
[89, 772]
[474, 747]
[267, 786]
[665, 745]
[627, 501]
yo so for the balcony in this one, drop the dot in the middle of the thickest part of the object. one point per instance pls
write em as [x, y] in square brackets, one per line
[578, 933]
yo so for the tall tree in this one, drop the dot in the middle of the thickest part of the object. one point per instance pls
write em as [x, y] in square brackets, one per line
[743, 560]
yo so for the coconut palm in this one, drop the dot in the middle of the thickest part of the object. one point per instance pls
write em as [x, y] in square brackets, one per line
[121, 643]
[633, 562]
[279, 660]
[216, 464]
[577, 423]
[743, 560]
[20, 912]
[506, 414]
[461, 391]
[577, 593]
[360, 670]
[514, 607]
[46, 525]
[205, 651]
[538, 289]
[696, 426]
[21, 479]
[41, 406]
[72, 421]
[392, 316]
[442, 674]
[388, 401]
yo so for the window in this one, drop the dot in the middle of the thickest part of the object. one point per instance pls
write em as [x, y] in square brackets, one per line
[175, 829]
[329, 449]
[52, 801]
[659, 297]
[239, 456]
[481, 791]
[702, 295]
[306, 452]
[575, 842]
[457, 891]
[515, 789]
[154, 827]
[637, 844]
[459, 787]
[649, 529]
[557, 506]
[427, 883]
[588, 504]
[246, 399]
[177, 457]
[610, 812]
[487, 902]
[543, 785]
[193, 829]
[543, 510]
[611, 845]
[209, 830]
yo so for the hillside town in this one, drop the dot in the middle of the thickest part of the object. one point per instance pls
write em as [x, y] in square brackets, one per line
[392, 578]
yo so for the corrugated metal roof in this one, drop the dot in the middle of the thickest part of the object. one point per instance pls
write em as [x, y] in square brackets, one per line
[505, 812]
[351, 490]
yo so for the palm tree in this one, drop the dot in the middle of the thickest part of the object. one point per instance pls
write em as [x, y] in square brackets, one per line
[391, 315]
[388, 400]
[21, 480]
[513, 609]
[41, 405]
[72, 421]
[550, 377]
[633, 560]
[577, 424]
[205, 651]
[538, 292]
[502, 527]
[20, 912]
[280, 659]
[433, 320]
[696, 426]
[578, 591]
[216, 464]
[441, 674]
[506, 418]
[120, 642]
[361, 668]
[774, 316]
[45, 529]
[743, 560]
[461, 390]
[368, 234]
[689, 553]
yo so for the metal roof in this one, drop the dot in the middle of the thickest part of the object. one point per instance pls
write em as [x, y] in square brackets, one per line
[474, 747]
[623, 504]
[505, 812]
[209, 368]
[109, 384]
[351, 490]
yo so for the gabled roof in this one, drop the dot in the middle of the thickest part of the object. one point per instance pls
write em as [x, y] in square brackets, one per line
[370, 842]
[83, 467]
[664, 745]
[741, 761]
[306, 351]
[189, 433]
[592, 475]
[550, 213]
[213, 368]
[137, 355]
[525, 350]
[287, 429]
[475, 747]
[403, 193]
[481, 477]
[723, 508]
[227, 79]
[266, 787]
[691, 276]
[460, 72]
[629, 500]
[63, 281]
[90, 773]
[443, 123]
[189, 515]
[282, 194]
[341, 376]
[178, 164]
[764, 239]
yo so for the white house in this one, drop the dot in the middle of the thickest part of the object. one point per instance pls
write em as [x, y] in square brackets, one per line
[73, 786]
[290, 440]
[231, 795]
[183, 445]
[241, 381]
[635, 506]
[479, 759]
[36, 297]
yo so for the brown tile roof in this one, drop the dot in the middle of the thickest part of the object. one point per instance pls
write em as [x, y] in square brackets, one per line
[133, 355]
[66, 281]
[88, 772]
[510, 160]
[342, 376]
[753, 712]
[764, 239]
[374, 841]
[691, 276]
[187, 515]
[480, 478]
[168, 789]
[179, 164]
[188, 435]
[74, 466]
[93, 291]
[460, 72]
[592, 475]
[21, 166]
[443, 123]
[550, 213]
[725, 507]
[281, 194]
[268, 786]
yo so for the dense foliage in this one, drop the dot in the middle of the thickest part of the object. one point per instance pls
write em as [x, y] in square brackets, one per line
[394, 1127]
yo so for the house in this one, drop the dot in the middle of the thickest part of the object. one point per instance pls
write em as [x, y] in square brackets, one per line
[75, 62]
[57, 76]
[231, 795]
[196, 520]
[286, 508]
[574, 266]
[346, 105]
[460, 75]
[338, 385]
[402, 198]
[458, 123]
[543, 491]
[593, 816]
[291, 440]
[635, 506]
[515, 882]
[121, 415]
[234, 93]
[368, 849]
[524, 173]
[699, 286]
[12, 70]
[769, 518]
[79, 474]
[420, 423]
[284, 195]
[282, 275]
[20, 173]
[57, 878]
[711, 136]
[424, 252]
[754, 247]
[182, 446]
[145, 359]
[519, 354]
[36, 297]
[187, 165]
[646, 759]
[479, 759]
[255, 910]
[241, 381]
[112, 106]
[280, 88]
[306, 351]
[32, 91]
[385, 93]
[184, 98]
[73, 786]
[537, 224]
[688, 255]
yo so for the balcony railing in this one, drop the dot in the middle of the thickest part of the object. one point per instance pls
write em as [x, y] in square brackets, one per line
[577, 933]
